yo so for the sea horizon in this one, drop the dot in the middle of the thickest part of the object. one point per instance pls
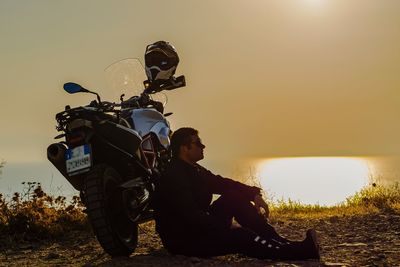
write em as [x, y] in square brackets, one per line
[384, 170]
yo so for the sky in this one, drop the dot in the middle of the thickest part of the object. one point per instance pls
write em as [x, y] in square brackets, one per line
[264, 78]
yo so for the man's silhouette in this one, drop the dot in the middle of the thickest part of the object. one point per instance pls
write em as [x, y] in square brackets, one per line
[189, 225]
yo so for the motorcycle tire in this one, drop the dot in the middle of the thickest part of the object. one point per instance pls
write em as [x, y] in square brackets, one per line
[116, 233]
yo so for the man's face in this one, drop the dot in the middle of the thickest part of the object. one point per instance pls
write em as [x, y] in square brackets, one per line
[194, 151]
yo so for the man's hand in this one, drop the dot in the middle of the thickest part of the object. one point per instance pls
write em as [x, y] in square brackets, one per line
[259, 203]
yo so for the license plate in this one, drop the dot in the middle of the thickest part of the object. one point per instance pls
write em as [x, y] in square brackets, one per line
[78, 159]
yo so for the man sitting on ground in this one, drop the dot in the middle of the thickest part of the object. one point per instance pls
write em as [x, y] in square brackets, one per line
[190, 225]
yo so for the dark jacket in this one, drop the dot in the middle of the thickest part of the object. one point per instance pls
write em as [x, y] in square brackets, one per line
[183, 196]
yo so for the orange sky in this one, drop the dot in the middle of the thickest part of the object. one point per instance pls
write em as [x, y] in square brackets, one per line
[264, 78]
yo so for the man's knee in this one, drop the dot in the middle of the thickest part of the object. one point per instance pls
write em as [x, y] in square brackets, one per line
[230, 205]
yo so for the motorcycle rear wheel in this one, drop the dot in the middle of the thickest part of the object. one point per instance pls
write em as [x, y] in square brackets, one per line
[116, 233]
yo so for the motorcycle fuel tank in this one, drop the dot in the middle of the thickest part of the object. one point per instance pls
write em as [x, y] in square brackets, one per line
[148, 120]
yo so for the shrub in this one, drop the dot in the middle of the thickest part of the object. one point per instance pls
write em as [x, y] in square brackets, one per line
[37, 215]
[370, 199]
[385, 198]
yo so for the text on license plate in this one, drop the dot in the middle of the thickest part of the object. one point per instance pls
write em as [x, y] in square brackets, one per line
[78, 159]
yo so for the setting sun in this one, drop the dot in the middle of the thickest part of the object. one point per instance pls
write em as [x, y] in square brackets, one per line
[314, 2]
[312, 180]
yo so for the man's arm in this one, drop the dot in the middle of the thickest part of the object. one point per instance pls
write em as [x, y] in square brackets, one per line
[220, 185]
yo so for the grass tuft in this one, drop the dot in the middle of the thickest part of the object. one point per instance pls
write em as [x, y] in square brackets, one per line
[371, 199]
[385, 198]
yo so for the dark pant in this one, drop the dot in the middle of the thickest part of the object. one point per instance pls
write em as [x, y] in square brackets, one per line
[255, 237]
[229, 206]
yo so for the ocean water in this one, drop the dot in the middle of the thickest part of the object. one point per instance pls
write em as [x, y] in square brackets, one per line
[312, 180]
[330, 186]
[14, 174]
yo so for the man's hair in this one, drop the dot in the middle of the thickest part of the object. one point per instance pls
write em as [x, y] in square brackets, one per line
[181, 137]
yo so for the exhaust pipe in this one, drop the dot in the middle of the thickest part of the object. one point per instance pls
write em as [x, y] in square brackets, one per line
[56, 155]
[56, 152]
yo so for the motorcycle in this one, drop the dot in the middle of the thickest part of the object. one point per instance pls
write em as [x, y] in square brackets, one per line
[113, 154]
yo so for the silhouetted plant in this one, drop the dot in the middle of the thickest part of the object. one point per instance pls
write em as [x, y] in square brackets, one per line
[2, 163]
[382, 197]
[37, 215]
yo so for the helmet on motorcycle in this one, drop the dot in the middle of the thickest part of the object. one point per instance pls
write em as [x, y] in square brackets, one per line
[161, 61]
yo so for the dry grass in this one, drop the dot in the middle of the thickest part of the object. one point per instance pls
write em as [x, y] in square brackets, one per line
[371, 199]
[35, 215]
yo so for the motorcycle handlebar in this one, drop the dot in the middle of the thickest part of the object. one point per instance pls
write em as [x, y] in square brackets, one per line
[143, 100]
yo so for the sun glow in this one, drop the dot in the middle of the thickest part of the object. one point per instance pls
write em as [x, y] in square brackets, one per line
[313, 180]
[315, 5]
[314, 2]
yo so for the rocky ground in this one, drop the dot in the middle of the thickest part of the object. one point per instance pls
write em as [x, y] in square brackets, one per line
[357, 240]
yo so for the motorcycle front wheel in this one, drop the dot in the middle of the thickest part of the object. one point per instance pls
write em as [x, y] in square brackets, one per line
[116, 233]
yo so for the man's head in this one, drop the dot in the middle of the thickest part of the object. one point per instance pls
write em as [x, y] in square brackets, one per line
[186, 145]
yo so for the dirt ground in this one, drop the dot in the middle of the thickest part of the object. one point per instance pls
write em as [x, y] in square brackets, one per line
[358, 240]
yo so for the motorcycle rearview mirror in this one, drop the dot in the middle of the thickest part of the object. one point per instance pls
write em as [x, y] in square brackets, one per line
[73, 88]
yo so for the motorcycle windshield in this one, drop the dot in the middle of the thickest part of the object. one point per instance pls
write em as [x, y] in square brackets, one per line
[126, 77]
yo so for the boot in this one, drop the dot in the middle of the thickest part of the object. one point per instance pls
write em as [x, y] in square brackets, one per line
[312, 242]
[301, 250]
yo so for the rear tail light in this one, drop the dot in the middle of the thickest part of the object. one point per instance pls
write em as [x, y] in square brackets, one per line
[75, 139]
